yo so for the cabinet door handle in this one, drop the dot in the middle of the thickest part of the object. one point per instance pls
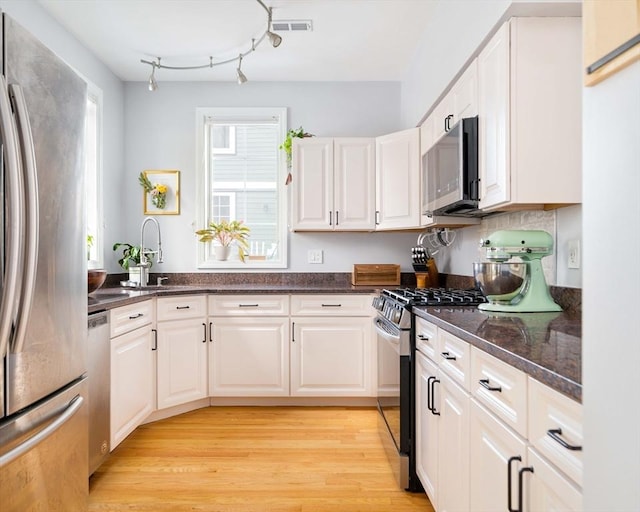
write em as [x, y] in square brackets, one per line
[183, 307]
[509, 462]
[448, 356]
[155, 339]
[204, 326]
[330, 218]
[377, 217]
[447, 122]
[337, 218]
[520, 486]
[133, 317]
[485, 384]
[210, 332]
[429, 397]
[433, 394]
[293, 332]
[555, 435]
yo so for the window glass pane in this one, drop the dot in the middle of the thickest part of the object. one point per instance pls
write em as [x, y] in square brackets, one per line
[246, 184]
[92, 182]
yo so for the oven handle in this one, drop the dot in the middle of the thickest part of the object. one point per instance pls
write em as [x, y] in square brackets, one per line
[384, 334]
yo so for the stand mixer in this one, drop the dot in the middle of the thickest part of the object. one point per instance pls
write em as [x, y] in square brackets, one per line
[518, 287]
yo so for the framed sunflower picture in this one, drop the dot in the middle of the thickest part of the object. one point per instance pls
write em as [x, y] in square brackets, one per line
[161, 192]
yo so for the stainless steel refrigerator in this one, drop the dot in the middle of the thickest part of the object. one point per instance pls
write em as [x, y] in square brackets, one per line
[43, 313]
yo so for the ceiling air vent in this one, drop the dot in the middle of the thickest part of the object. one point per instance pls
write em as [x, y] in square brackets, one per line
[292, 26]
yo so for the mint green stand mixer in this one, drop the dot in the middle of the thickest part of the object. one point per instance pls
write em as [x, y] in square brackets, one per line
[515, 287]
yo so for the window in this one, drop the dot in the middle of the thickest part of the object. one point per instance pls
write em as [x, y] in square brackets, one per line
[93, 178]
[241, 177]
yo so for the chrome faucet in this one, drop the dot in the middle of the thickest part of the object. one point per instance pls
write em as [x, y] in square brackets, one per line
[144, 261]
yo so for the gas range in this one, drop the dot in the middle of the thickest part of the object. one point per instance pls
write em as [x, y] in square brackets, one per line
[395, 305]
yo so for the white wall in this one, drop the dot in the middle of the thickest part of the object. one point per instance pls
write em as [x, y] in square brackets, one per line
[611, 344]
[35, 19]
[160, 134]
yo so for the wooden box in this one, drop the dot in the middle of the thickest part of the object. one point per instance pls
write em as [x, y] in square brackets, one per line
[375, 275]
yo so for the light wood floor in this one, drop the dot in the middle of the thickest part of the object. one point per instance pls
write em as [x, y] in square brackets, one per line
[276, 459]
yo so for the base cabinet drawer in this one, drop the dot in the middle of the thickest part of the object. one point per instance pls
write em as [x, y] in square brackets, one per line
[555, 428]
[248, 305]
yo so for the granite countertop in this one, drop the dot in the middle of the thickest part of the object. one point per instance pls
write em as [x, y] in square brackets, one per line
[546, 346]
[112, 297]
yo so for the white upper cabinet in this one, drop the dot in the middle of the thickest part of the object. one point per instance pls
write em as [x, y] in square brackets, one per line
[333, 184]
[529, 108]
[398, 180]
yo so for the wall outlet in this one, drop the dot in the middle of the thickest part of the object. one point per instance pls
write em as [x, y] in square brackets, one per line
[314, 256]
[573, 254]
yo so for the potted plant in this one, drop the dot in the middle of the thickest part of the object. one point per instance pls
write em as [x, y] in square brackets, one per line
[287, 146]
[130, 260]
[225, 233]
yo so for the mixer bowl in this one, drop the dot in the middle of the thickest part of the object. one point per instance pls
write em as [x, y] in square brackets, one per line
[501, 283]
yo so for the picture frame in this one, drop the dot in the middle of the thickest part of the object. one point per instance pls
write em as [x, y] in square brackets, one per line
[170, 179]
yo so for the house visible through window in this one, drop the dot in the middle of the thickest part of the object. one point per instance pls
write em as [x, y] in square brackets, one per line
[242, 178]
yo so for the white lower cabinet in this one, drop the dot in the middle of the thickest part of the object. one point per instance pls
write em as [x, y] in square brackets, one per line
[132, 370]
[331, 356]
[427, 428]
[181, 350]
[249, 356]
[494, 453]
[549, 489]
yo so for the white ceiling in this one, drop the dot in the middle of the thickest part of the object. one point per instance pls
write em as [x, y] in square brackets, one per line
[352, 40]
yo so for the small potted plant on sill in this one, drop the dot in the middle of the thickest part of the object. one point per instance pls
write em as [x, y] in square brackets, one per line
[224, 234]
[130, 260]
[287, 146]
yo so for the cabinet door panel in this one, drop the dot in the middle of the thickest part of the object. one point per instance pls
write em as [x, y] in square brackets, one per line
[549, 489]
[491, 445]
[331, 357]
[397, 180]
[453, 468]
[182, 362]
[493, 120]
[312, 170]
[132, 383]
[427, 428]
[354, 184]
[249, 357]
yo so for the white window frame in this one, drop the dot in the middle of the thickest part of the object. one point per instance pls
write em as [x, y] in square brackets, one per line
[231, 148]
[94, 94]
[205, 262]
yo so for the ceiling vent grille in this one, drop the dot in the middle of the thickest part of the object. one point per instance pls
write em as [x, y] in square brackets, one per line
[292, 26]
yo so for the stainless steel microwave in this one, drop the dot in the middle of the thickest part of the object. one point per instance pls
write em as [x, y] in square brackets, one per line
[450, 184]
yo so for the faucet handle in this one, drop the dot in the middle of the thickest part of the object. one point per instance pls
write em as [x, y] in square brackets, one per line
[159, 280]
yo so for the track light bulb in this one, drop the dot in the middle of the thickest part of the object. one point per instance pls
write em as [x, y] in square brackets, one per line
[153, 85]
[241, 76]
[274, 38]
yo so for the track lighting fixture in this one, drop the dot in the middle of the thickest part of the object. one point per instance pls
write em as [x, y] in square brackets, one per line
[241, 77]
[273, 38]
[153, 85]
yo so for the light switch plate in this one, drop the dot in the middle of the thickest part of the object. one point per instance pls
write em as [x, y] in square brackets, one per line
[573, 254]
[314, 256]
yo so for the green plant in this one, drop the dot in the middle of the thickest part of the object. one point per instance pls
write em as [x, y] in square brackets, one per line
[90, 242]
[225, 233]
[130, 255]
[288, 141]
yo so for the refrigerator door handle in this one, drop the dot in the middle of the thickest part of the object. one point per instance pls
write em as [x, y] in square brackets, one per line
[74, 406]
[31, 227]
[14, 219]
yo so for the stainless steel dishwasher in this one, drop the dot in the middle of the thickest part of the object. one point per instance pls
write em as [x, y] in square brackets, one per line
[99, 388]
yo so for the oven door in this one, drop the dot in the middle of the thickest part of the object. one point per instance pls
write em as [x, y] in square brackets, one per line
[394, 396]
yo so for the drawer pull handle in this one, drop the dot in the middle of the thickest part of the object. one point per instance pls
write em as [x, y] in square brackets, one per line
[448, 356]
[555, 435]
[332, 305]
[485, 384]
[133, 317]
[183, 307]
[248, 305]
[423, 337]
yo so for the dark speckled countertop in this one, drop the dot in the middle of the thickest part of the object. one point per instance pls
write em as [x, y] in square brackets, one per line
[546, 346]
